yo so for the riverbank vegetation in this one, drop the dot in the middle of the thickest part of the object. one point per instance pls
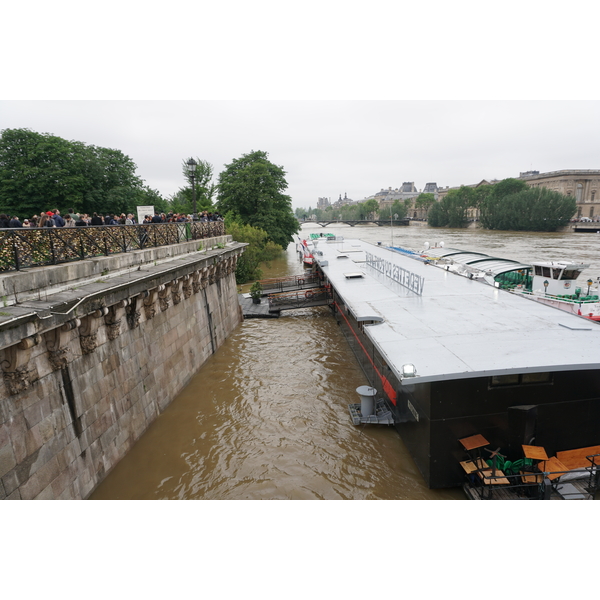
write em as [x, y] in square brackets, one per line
[260, 248]
[257, 211]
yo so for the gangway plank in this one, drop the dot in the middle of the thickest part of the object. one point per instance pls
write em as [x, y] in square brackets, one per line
[300, 299]
[305, 281]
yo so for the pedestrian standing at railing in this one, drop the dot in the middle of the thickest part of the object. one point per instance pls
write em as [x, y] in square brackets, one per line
[14, 222]
[96, 220]
[4, 221]
[81, 222]
[69, 221]
[58, 220]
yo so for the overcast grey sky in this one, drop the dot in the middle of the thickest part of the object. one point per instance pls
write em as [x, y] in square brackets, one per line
[346, 97]
[329, 148]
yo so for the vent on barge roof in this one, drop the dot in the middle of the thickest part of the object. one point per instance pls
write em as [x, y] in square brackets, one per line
[354, 275]
[342, 256]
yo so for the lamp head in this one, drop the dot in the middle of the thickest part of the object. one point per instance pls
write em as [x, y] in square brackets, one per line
[408, 370]
[191, 166]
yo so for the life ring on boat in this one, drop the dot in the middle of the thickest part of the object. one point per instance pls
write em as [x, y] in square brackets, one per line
[300, 281]
[309, 294]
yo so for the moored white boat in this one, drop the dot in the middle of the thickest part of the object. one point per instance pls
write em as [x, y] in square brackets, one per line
[305, 252]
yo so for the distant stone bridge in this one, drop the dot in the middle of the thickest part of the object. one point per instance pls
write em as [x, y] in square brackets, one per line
[352, 223]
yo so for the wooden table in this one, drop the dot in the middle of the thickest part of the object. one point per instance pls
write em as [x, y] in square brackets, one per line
[473, 442]
[552, 464]
[535, 452]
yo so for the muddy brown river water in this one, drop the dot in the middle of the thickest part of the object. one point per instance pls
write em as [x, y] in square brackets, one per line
[267, 416]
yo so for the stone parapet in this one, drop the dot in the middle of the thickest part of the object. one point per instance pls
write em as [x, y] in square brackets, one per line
[35, 283]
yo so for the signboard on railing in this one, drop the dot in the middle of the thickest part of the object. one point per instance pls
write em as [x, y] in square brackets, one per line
[142, 211]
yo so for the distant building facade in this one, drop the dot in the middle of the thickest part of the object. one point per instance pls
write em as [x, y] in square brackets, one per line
[582, 184]
[323, 203]
[343, 201]
[407, 192]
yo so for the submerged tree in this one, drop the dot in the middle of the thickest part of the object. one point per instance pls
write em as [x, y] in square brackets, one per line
[252, 188]
[530, 209]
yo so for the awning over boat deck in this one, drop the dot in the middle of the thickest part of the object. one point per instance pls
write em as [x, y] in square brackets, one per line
[478, 260]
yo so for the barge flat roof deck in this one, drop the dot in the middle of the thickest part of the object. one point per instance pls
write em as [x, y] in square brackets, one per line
[450, 327]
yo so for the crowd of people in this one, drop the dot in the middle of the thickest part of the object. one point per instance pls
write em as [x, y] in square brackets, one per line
[53, 218]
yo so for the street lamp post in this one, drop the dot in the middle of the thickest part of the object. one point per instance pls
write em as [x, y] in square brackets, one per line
[192, 175]
[391, 226]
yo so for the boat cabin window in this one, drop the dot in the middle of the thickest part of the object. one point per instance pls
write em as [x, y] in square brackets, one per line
[505, 380]
[520, 379]
[556, 273]
[545, 271]
[571, 274]
[535, 378]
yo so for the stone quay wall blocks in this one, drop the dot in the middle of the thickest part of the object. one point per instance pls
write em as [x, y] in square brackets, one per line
[86, 371]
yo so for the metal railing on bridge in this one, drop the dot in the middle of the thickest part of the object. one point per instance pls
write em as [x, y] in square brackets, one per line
[300, 299]
[23, 247]
[293, 282]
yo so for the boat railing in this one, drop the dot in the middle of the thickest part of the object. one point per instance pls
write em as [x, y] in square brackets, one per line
[491, 484]
[594, 470]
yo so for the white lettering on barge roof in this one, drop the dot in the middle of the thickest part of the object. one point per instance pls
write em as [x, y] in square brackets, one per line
[404, 277]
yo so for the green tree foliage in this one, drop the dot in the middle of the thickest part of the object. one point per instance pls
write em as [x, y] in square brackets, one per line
[182, 201]
[42, 171]
[369, 208]
[424, 202]
[260, 249]
[530, 209]
[150, 197]
[451, 211]
[398, 208]
[252, 188]
[506, 187]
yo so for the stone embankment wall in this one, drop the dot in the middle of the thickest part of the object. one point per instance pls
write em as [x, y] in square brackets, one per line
[87, 370]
